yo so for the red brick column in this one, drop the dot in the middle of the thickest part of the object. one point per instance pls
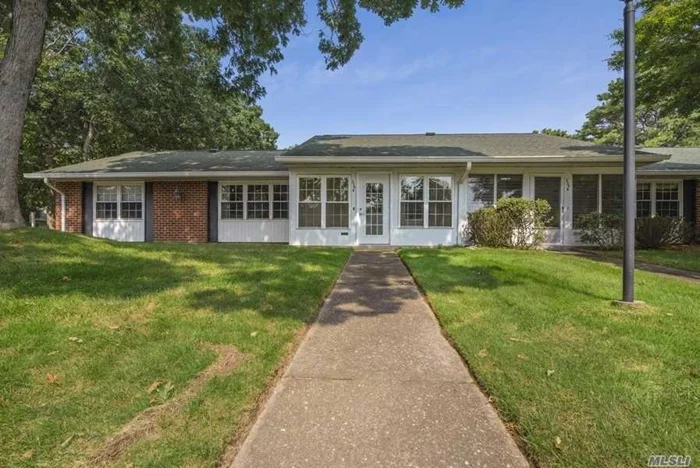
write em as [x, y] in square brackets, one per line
[74, 206]
[184, 220]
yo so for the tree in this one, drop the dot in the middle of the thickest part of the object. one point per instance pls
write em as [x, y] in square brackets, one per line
[668, 79]
[253, 35]
[553, 132]
[90, 100]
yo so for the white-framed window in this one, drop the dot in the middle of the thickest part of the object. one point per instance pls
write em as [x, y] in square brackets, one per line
[119, 201]
[253, 201]
[421, 208]
[604, 193]
[486, 189]
[324, 202]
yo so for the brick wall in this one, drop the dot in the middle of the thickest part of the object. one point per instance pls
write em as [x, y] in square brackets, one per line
[180, 221]
[697, 204]
[74, 206]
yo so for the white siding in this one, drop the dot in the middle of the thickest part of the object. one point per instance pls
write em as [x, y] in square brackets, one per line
[119, 229]
[254, 230]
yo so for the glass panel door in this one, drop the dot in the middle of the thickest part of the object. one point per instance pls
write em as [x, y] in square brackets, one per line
[374, 209]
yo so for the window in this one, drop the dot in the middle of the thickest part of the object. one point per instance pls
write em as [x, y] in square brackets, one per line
[106, 202]
[131, 202]
[280, 201]
[258, 201]
[612, 191]
[309, 202]
[667, 199]
[232, 202]
[509, 186]
[119, 201]
[585, 196]
[484, 190]
[643, 200]
[440, 202]
[416, 201]
[411, 202]
[337, 204]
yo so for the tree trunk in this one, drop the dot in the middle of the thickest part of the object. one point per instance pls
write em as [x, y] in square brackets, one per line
[87, 142]
[17, 71]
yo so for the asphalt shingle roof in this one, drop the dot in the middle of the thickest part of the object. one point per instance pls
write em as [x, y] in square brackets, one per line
[445, 145]
[682, 160]
[177, 161]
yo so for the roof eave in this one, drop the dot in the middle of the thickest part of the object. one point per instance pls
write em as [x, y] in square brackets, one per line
[152, 175]
[641, 158]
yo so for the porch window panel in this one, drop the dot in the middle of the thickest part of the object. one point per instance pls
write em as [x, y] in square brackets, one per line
[232, 205]
[411, 209]
[440, 202]
[667, 199]
[280, 201]
[106, 202]
[509, 186]
[309, 202]
[480, 192]
[612, 194]
[585, 196]
[131, 206]
[549, 188]
[643, 199]
[337, 202]
[258, 201]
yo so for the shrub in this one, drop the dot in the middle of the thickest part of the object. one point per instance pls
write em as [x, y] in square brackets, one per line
[654, 233]
[513, 222]
[602, 230]
[606, 231]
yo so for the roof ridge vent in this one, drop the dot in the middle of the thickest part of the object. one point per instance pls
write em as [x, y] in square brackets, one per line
[429, 133]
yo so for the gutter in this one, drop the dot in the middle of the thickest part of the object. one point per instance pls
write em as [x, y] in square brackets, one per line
[179, 175]
[642, 158]
[63, 203]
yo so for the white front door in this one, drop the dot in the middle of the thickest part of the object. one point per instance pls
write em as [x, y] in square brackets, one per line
[550, 188]
[373, 206]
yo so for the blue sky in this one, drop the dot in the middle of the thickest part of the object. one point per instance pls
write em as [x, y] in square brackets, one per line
[491, 66]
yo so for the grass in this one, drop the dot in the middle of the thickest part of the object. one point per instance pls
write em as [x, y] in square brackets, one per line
[87, 325]
[685, 257]
[586, 383]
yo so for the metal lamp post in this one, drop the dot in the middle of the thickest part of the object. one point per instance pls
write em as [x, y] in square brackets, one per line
[630, 185]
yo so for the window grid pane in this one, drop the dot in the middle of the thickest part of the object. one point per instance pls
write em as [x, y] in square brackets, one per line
[310, 215]
[643, 200]
[106, 210]
[309, 189]
[411, 214]
[309, 202]
[440, 214]
[131, 193]
[667, 201]
[232, 202]
[440, 189]
[412, 189]
[280, 201]
[337, 189]
[337, 215]
[131, 210]
[258, 201]
[613, 194]
[440, 202]
[106, 193]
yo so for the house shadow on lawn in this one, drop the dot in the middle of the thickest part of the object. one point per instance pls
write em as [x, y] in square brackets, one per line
[79, 265]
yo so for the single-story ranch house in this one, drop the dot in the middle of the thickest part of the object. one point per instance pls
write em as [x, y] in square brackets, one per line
[349, 190]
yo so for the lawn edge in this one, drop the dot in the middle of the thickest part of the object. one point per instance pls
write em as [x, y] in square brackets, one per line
[251, 413]
[511, 426]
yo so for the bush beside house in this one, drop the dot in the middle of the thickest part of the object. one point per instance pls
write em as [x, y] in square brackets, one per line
[512, 222]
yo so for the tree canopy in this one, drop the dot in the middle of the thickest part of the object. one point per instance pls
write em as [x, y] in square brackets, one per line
[668, 79]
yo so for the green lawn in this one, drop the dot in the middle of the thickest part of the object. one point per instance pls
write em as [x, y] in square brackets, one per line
[86, 326]
[586, 383]
[686, 257]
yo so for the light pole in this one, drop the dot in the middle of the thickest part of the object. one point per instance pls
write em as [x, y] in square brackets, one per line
[630, 185]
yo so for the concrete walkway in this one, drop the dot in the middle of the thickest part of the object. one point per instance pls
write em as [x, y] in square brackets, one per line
[376, 384]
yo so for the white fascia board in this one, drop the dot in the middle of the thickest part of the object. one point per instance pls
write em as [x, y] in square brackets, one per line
[153, 175]
[669, 173]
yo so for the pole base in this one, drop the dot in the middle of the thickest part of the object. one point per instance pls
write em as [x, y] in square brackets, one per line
[629, 305]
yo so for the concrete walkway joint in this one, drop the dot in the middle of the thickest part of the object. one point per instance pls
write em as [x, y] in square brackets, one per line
[376, 384]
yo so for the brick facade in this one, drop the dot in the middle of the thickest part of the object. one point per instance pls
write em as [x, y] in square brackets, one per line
[184, 220]
[74, 206]
[697, 204]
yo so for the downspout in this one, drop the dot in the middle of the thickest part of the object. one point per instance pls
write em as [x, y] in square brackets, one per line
[63, 203]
